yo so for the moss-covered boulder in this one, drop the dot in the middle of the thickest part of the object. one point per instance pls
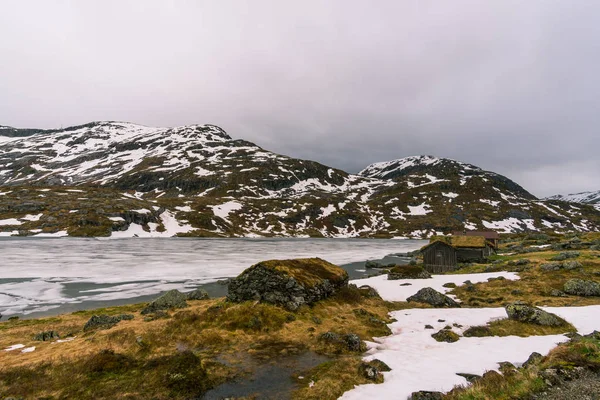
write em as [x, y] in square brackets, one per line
[532, 315]
[46, 336]
[172, 299]
[580, 287]
[198, 294]
[408, 272]
[446, 335]
[288, 283]
[431, 296]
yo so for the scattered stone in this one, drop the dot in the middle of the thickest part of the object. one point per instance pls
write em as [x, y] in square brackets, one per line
[104, 321]
[557, 293]
[406, 284]
[408, 272]
[580, 287]
[428, 326]
[46, 336]
[449, 285]
[316, 320]
[289, 283]
[506, 367]
[570, 265]
[565, 255]
[156, 315]
[425, 395]
[350, 341]
[446, 335]
[441, 320]
[534, 359]
[471, 378]
[430, 296]
[198, 294]
[368, 291]
[369, 372]
[516, 292]
[457, 325]
[498, 278]
[290, 318]
[533, 315]
[172, 299]
[477, 331]
[380, 365]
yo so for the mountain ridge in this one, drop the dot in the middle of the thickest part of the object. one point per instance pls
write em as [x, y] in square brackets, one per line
[200, 181]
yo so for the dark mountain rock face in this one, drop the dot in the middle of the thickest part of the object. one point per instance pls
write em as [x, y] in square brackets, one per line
[213, 185]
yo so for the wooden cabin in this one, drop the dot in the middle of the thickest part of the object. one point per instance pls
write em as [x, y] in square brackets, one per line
[443, 253]
[490, 236]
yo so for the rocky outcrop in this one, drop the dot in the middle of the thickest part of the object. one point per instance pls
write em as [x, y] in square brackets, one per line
[288, 283]
[408, 272]
[580, 287]
[430, 296]
[425, 395]
[104, 321]
[171, 299]
[532, 315]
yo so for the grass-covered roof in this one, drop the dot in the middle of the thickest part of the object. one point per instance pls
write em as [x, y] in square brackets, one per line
[460, 241]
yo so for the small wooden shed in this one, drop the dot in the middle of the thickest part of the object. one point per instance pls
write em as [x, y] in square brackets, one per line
[443, 253]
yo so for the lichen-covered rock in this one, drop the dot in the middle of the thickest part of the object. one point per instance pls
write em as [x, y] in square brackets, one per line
[433, 297]
[408, 272]
[46, 336]
[289, 283]
[565, 255]
[534, 359]
[368, 291]
[104, 321]
[350, 341]
[171, 299]
[446, 335]
[198, 294]
[425, 395]
[369, 372]
[532, 315]
[580, 287]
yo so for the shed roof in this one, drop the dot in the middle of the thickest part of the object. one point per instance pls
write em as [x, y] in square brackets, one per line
[486, 234]
[459, 241]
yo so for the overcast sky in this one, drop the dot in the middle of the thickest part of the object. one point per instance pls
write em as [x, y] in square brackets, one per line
[510, 86]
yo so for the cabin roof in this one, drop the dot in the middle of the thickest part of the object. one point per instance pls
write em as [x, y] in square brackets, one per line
[459, 242]
[486, 234]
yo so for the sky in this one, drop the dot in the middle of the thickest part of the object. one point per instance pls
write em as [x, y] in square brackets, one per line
[510, 86]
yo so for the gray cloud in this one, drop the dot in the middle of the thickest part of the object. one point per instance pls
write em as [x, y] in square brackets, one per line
[510, 86]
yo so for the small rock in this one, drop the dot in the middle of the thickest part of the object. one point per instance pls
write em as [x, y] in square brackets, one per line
[471, 378]
[532, 315]
[368, 291]
[380, 365]
[353, 342]
[430, 296]
[408, 272]
[316, 320]
[557, 293]
[441, 320]
[46, 336]
[516, 292]
[425, 395]
[428, 326]
[446, 335]
[406, 284]
[198, 294]
[449, 285]
[104, 321]
[534, 359]
[172, 299]
[369, 372]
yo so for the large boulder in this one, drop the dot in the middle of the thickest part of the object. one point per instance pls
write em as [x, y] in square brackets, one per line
[289, 283]
[408, 272]
[532, 315]
[172, 299]
[198, 294]
[432, 297]
[580, 287]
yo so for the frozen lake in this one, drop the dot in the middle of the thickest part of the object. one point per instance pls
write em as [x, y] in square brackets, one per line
[50, 276]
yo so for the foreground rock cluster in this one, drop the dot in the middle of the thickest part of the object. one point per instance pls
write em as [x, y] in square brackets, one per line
[288, 283]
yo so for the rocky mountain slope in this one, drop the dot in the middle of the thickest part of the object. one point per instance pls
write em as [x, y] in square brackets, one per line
[583, 197]
[121, 179]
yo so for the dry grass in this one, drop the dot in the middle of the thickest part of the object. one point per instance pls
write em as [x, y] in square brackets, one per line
[507, 327]
[135, 358]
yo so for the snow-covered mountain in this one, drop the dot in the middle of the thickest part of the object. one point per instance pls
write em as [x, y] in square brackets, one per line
[583, 197]
[121, 179]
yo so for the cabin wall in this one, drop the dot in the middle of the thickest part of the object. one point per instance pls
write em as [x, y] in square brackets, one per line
[439, 258]
[466, 255]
